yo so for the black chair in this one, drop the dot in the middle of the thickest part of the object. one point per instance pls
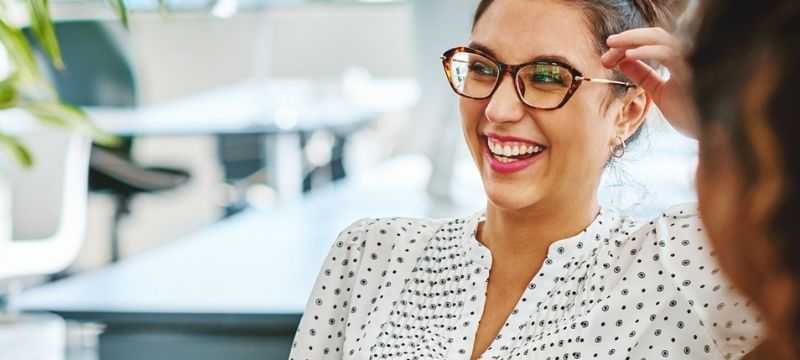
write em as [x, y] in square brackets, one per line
[244, 162]
[242, 156]
[98, 73]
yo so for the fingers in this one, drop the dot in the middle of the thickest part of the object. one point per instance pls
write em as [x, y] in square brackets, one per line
[643, 44]
[644, 76]
[659, 53]
[642, 37]
[612, 57]
[662, 54]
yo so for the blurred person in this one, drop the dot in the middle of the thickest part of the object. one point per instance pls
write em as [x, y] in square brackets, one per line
[743, 71]
[545, 271]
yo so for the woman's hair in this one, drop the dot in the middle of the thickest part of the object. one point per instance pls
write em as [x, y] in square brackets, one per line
[609, 17]
[737, 45]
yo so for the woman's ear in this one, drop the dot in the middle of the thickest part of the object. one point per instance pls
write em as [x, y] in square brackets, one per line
[635, 105]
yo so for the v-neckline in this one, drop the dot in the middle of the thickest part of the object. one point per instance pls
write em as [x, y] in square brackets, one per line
[558, 252]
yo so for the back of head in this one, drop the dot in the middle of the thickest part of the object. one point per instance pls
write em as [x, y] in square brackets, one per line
[746, 55]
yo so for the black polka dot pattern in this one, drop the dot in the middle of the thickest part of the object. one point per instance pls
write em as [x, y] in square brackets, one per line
[622, 289]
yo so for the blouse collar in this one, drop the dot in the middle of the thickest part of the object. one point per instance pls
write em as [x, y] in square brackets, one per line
[584, 242]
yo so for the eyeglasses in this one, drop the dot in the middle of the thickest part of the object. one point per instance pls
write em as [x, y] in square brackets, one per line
[543, 85]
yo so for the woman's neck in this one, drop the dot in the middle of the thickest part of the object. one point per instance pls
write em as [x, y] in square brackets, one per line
[514, 233]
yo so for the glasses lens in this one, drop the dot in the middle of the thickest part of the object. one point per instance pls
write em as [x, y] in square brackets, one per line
[544, 85]
[472, 75]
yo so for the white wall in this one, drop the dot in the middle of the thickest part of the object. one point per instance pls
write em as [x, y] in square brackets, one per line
[185, 53]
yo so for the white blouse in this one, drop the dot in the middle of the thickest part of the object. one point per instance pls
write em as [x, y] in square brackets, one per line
[621, 289]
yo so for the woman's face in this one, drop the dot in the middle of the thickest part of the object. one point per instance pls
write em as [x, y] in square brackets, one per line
[576, 138]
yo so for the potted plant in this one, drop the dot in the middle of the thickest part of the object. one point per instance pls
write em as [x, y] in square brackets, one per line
[25, 87]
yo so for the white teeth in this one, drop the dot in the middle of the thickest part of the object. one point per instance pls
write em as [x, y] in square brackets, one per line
[504, 152]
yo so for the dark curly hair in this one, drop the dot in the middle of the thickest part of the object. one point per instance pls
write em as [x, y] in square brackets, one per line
[736, 43]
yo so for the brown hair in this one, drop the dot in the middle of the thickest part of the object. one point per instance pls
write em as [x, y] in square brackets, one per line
[609, 17]
[736, 44]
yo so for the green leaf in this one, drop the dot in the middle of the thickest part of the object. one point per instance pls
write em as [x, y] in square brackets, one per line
[26, 88]
[18, 150]
[42, 25]
[19, 52]
[121, 10]
[69, 117]
[8, 93]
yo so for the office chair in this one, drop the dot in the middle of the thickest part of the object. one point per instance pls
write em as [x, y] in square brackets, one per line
[48, 221]
[98, 73]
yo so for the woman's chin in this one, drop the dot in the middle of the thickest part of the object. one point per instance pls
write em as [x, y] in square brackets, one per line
[511, 197]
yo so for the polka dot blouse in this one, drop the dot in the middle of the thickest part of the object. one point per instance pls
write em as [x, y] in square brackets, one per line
[621, 289]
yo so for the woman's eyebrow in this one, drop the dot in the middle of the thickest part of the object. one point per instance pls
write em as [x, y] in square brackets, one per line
[554, 58]
[546, 58]
[481, 47]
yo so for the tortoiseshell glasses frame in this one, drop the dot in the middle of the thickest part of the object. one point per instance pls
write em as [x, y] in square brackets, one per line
[576, 78]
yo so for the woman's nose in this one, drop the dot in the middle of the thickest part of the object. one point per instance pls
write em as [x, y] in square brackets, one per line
[505, 105]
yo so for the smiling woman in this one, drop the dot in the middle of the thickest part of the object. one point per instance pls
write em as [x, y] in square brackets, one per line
[545, 272]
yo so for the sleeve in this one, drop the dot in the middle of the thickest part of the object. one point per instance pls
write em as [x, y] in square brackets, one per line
[320, 334]
[726, 315]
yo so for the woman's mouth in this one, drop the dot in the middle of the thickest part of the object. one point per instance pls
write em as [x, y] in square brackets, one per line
[507, 155]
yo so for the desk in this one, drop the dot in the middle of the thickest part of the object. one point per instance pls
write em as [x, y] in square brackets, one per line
[236, 290]
[260, 106]
[291, 108]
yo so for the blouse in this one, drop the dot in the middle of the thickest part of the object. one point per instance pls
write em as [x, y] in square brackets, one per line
[623, 288]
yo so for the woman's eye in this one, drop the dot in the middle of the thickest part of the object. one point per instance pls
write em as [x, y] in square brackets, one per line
[483, 69]
[546, 74]
[547, 78]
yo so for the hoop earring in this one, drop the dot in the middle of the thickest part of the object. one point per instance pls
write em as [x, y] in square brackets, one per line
[618, 151]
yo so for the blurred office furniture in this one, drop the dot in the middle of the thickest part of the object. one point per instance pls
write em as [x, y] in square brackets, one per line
[98, 73]
[283, 109]
[244, 163]
[48, 205]
[48, 218]
[437, 125]
[233, 291]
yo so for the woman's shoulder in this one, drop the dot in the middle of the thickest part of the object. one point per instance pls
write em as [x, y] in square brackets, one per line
[400, 227]
[673, 248]
[676, 218]
[674, 236]
[386, 234]
[679, 222]
[681, 211]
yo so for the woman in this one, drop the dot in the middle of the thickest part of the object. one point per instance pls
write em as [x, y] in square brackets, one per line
[744, 66]
[545, 273]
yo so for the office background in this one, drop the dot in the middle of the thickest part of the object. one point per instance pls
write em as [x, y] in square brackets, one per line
[253, 132]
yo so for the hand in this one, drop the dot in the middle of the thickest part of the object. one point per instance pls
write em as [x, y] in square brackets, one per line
[629, 51]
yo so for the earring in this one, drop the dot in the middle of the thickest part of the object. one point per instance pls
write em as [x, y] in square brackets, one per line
[618, 151]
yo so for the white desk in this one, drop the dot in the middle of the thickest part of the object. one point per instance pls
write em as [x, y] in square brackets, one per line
[244, 279]
[265, 106]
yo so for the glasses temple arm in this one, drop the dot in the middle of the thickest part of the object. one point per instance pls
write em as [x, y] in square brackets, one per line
[605, 81]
